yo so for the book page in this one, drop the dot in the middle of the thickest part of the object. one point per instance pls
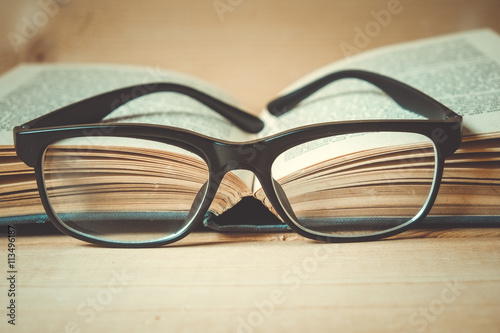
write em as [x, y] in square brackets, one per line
[29, 91]
[462, 71]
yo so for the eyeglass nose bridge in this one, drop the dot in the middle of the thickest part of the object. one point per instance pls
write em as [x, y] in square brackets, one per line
[253, 157]
[246, 156]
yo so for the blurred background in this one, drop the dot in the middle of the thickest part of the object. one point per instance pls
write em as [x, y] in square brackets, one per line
[250, 48]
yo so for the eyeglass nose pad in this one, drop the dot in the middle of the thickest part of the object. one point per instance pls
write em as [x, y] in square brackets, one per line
[197, 202]
[284, 200]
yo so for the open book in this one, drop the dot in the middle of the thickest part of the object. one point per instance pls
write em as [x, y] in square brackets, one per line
[462, 71]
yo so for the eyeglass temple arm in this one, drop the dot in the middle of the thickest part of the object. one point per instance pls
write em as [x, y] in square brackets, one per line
[94, 109]
[407, 97]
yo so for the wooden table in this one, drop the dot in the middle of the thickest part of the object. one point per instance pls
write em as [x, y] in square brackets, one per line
[421, 281]
[430, 280]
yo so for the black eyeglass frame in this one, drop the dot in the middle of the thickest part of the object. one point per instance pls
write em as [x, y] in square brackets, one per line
[444, 129]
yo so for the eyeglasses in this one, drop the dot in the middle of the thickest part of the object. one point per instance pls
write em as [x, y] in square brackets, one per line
[135, 185]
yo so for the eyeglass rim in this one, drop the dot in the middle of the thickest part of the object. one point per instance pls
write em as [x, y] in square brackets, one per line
[205, 147]
[30, 143]
[295, 225]
[33, 137]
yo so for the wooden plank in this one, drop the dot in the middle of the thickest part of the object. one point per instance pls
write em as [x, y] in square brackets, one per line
[421, 281]
[272, 282]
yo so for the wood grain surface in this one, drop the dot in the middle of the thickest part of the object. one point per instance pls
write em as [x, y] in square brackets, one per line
[421, 281]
